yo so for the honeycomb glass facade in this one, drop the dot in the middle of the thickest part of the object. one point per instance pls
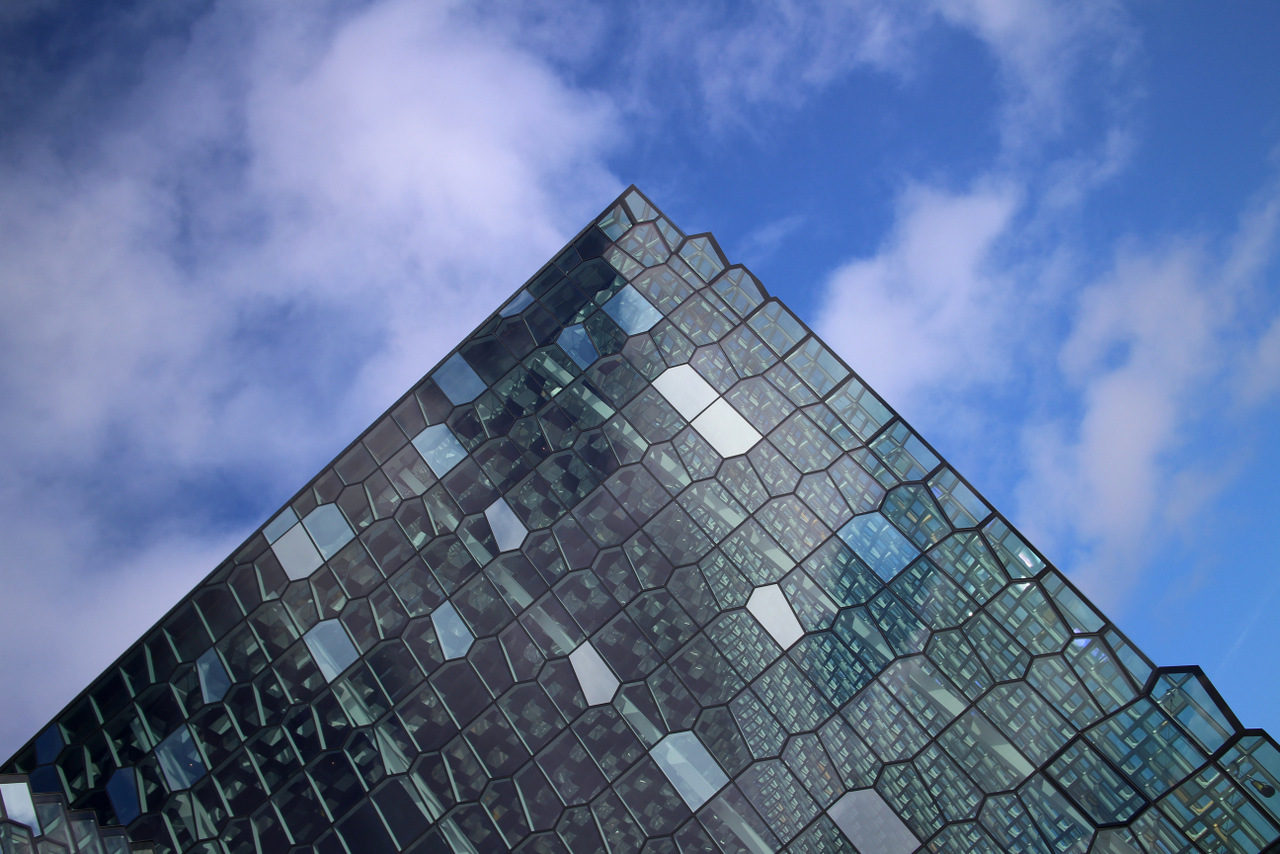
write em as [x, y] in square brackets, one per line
[643, 566]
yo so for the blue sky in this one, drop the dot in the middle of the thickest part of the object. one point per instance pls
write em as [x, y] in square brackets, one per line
[1047, 232]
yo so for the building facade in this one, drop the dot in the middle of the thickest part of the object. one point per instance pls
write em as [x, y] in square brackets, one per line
[644, 566]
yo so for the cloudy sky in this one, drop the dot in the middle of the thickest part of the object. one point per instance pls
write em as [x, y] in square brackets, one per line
[232, 233]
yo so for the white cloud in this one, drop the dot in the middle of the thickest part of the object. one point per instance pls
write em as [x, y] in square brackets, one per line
[1050, 54]
[933, 306]
[1154, 348]
[280, 225]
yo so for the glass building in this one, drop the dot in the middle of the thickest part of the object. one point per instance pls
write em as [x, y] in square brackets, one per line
[643, 566]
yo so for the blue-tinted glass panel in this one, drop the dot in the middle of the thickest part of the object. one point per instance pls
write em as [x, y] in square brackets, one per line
[277, 526]
[331, 647]
[214, 680]
[882, 546]
[458, 381]
[122, 789]
[575, 341]
[689, 767]
[328, 528]
[454, 636]
[631, 311]
[179, 760]
[440, 448]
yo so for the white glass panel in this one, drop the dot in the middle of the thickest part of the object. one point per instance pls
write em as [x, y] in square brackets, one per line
[597, 680]
[686, 390]
[689, 767]
[331, 648]
[769, 605]
[18, 805]
[440, 448]
[871, 824]
[296, 553]
[727, 431]
[454, 636]
[328, 528]
[507, 528]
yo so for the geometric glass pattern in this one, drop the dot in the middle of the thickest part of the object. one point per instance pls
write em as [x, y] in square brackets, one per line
[642, 565]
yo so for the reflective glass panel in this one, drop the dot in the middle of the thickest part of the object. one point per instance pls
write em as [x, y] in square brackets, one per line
[597, 680]
[179, 760]
[458, 381]
[296, 553]
[631, 311]
[331, 648]
[454, 636]
[689, 767]
[440, 448]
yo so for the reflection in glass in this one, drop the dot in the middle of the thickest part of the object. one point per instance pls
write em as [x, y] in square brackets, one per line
[517, 304]
[769, 605]
[874, 539]
[507, 528]
[686, 390]
[122, 789]
[178, 760]
[439, 448]
[631, 311]
[328, 528]
[597, 680]
[727, 431]
[296, 553]
[689, 767]
[331, 647]
[871, 824]
[214, 680]
[277, 526]
[454, 636]
[575, 341]
[458, 381]
[18, 805]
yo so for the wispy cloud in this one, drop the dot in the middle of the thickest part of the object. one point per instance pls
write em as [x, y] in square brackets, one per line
[1155, 346]
[933, 306]
[1050, 54]
[295, 221]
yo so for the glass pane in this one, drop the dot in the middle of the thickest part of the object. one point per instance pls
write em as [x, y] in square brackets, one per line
[507, 528]
[686, 390]
[178, 759]
[454, 636]
[689, 767]
[440, 448]
[458, 381]
[575, 341]
[871, 824]
[331, 647]
[631, 311]
[214, 680]
[277, 526]
[328, 528]
[296, 553]
[727, 431]
[18, 806]
[769, 605]
[874, 539]
[597, 680]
